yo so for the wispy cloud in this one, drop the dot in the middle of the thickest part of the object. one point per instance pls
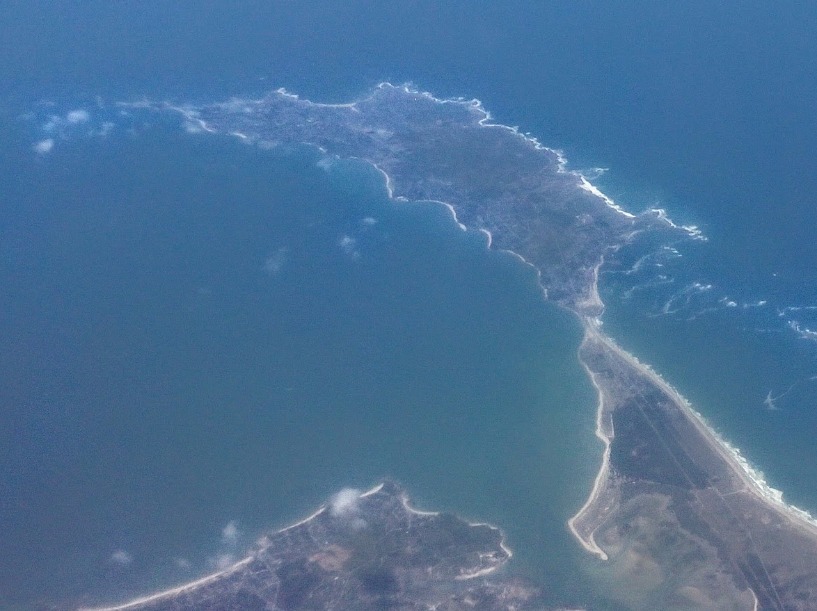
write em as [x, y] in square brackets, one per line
[228, 545]
[275, 262]
[345, 505]
[222, 561]
[183, 564]
[348, 245]
[77, 116]
[121, 558]
[230, 534]
[43, 146]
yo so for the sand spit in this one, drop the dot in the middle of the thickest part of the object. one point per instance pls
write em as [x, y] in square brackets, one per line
[666, 476]
[751, 480]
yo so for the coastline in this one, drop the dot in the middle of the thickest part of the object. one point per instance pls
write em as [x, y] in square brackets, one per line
[590, 308]
[714, 469]
[750, 477]
[266, 539]
[588, 541]
[173, 591]
[753, 482]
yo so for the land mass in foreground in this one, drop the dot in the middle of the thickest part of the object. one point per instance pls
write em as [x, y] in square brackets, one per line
[367, 551]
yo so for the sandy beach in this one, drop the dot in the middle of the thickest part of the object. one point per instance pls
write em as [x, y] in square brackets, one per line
[349, 498]
[212, 577]
[751, 482]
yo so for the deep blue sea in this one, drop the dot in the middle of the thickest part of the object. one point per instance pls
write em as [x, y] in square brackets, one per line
[188, 339]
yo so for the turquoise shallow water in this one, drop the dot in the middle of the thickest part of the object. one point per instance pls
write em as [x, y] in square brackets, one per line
[210, 333]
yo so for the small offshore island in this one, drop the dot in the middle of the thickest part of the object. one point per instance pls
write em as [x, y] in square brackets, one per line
[674, 511]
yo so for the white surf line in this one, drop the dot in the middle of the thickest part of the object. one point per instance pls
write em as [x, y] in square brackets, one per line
[453, 211]
[372, 491]
[693, 231]
[601, 477]
[386, 178]
[560, 158]
[283, 92]
[586, 185]
[486, 120]
[174, 591]
[399, 198]
[194, 123]
[752, 478]
[212, 576]
[309, 518]
[502, 542]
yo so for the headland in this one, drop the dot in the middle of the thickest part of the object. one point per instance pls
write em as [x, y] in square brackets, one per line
[674, 509]
[368, 550]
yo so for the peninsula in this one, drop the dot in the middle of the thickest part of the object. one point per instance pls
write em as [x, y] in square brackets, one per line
[674, 509]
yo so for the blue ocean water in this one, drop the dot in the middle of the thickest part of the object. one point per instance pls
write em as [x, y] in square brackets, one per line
[705, 110]
[213, 334]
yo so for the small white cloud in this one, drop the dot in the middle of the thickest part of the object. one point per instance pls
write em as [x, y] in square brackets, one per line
[53, 123]
[228, 542]
[121, 558]
[222, 561]
[230, 534]
[43, 146]
[106, 128]
[325, 163]
[369, 221]
[349, 245]
[77, 116]
[345, 504]
[275, 262]
[183, 564]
